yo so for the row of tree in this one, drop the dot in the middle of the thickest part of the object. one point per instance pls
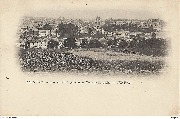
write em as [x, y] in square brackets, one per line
[153, 46]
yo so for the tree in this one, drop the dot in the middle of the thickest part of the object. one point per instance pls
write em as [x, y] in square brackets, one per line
[70, 43]
[52, 44]
[153, 35]
[95, 44]
[90, 30]
[84, 43]
[67, 29]
[27, 45]
[122, 44]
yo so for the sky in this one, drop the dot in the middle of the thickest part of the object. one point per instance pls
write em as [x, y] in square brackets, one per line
[117, 9]
[92, 14]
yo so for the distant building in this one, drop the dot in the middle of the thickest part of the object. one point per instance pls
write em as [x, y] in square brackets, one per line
[122, 34]
[45, 30]
[144, 24]
[109, 34]
[156, 24]
[40, 43]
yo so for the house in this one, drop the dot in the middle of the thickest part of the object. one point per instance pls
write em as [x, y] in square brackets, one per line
[54, 33]
[128, 40]
[39, 43]
[122, 34]
[109, 34]
[84, 30]
[148, 35]
[45, 30]
[24, 29]
[144, 24]
[156, 24]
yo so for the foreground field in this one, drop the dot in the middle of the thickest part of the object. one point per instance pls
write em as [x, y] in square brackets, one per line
[38, 60]
[110, 55]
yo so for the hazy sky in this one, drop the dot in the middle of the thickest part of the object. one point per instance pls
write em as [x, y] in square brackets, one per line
[91, 14]
[129, 9]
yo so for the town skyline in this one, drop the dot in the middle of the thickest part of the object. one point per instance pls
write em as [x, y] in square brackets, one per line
[91, 14]
[93, 18]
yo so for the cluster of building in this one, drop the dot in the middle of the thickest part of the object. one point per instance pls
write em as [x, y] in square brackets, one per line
[37, 32]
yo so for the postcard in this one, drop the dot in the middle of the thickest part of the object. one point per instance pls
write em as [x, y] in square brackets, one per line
[89, 58]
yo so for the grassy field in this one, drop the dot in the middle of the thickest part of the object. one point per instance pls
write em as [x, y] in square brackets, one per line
[110, 55]
[94, 60]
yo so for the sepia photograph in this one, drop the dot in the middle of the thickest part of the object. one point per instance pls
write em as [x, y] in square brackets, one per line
[89, 58]
[108, 46]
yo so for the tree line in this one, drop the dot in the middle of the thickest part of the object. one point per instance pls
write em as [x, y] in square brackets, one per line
[152, 46]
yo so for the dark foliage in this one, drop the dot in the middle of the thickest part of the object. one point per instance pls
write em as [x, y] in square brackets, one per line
[70, 43]
[153, 46]
[95, 44]
[50, 60]
[52, 44]
[67, 30]
[84, 43]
